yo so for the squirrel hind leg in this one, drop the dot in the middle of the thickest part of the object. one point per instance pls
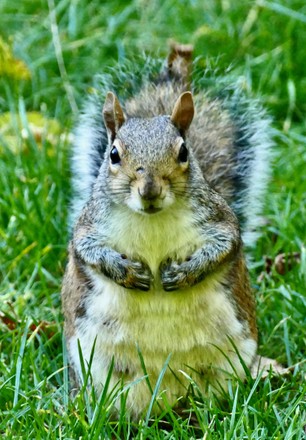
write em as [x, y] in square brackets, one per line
[179, 64]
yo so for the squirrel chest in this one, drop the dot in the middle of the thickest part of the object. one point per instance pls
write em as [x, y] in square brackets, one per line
[153, 237]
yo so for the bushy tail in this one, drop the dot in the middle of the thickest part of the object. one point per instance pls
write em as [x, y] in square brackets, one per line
[90, 142]
[179, 65]
[253, 151]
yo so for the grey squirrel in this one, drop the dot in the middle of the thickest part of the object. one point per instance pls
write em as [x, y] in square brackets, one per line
[156, 263]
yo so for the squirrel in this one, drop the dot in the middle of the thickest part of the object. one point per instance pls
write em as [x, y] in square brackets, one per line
[169, 188]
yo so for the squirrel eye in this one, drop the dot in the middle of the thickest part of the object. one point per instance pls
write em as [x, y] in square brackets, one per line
[183, 153]
[114, 156]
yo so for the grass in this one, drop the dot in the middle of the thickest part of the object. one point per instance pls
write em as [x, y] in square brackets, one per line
[62, 45]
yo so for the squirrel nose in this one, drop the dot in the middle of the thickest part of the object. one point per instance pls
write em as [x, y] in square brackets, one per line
[150, 190]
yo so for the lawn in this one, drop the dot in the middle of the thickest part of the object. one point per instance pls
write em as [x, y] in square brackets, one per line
[49, 53]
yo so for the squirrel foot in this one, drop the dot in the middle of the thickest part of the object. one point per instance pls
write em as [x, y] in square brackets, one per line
[178, 275]
[133, 274]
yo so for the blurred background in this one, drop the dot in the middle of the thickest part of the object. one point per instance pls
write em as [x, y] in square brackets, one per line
[50, 50]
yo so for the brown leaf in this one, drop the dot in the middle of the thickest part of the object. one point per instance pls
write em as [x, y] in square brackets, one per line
[285, 262]
[43, 327]
[267, 269]
[10, 322]
[282, 263]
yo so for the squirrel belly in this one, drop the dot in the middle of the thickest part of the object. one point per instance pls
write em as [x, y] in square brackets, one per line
[198, 326]
[196, 336]
[166, 190]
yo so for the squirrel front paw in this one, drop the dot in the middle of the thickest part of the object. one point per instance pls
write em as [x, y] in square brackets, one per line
[178, 275]
[131, 274]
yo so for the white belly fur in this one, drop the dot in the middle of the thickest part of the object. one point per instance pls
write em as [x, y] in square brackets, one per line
[189, 324]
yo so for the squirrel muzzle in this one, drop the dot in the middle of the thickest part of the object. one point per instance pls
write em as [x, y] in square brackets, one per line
[150, 192]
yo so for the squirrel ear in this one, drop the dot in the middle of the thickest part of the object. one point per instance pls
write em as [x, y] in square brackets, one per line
[112, 114]
[183, 112]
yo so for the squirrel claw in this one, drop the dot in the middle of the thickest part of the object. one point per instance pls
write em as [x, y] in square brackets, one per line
[168, 287]
[137, 276]
[177, 275]
[143, 287]
[172, 286]
[172, 277]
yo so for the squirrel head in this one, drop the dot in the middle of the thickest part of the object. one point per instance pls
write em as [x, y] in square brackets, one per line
[147, 159]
